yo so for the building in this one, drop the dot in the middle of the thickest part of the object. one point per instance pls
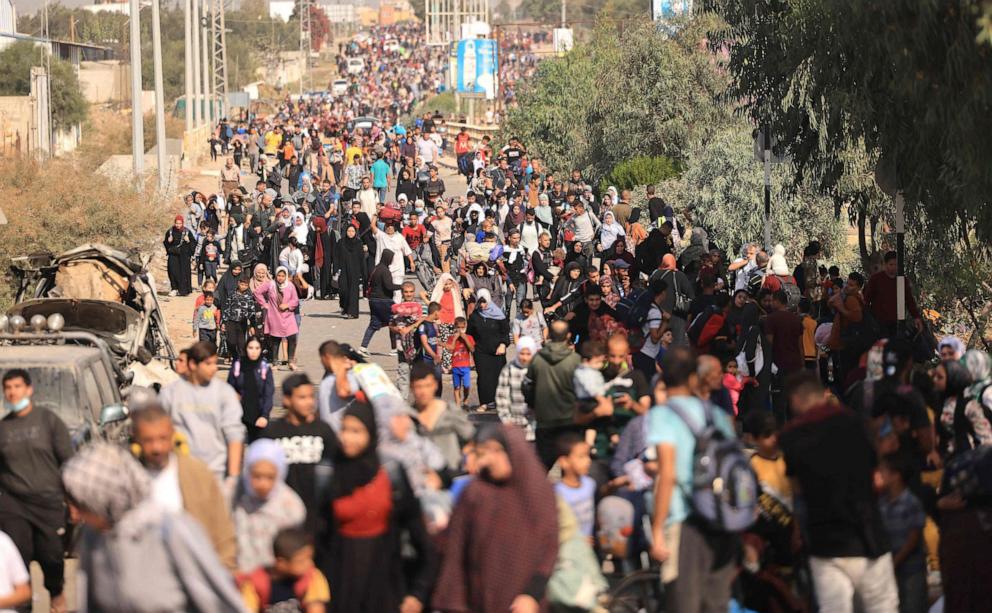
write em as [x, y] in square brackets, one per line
[122, 8]
[281, 9]
[340, 13]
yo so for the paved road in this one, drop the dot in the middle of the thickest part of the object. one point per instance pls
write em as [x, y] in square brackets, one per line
[321, 322]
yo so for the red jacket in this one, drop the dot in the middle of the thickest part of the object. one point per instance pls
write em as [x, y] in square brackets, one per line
[880, 298]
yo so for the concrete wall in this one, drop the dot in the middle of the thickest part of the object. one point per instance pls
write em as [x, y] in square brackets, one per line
[105, 81]
[17, 133]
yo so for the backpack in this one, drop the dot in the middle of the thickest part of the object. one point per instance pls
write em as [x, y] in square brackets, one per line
[752, 367]
[792, 292]
[725, 489]
[681, 304]
[633, 309]
[695, 328]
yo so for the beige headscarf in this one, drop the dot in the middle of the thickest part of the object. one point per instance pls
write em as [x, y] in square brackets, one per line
[438, 292]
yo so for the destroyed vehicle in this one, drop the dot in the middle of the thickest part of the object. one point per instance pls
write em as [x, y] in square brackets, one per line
[73, 375]
[104, 292]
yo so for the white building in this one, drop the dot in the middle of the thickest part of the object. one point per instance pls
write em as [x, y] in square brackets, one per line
[121, 8]
[281, 9]
[340, 13]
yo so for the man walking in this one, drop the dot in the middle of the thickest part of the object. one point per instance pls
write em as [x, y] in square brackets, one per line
[34, 445]
[207, 411]
[549, 379]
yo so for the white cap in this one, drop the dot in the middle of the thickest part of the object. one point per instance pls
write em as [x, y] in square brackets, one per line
[401, 198]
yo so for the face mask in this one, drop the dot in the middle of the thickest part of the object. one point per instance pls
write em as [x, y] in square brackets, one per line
[18, 406]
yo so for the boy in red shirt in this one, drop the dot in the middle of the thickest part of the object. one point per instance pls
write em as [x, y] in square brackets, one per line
[461, 346]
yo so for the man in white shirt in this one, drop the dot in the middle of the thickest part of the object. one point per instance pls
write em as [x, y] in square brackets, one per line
[368, 198]
[586, 225]
[15, 582]
[743, 266]
[653, 328]
[395, 242]
[427, 150]
[180, 482]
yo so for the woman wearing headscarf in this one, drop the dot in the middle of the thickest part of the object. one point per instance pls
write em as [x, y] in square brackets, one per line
[228, 285]
[381, 288]
[502, 541]
[567, 291]
[323, 251]
[576, 255]
[951, 348]
[965, 537]
[480, 279]
[446, 294]
[179, 244]
[620, 253]
[262, 504]
[956, 428]
[491, 330]
[677, 299]
[610, 231]
[514, 219]
[511, 406]
[405, 184]
[259, 277]
[134, 555]
[279, 299]
[690, 258]
[349, 267]
[253, 380]
[372, 509]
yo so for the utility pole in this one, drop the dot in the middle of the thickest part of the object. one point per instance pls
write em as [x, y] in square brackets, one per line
[198, 114]
[137, 129]
[209, 111]
[767, 151]
[159, 96]
[562, 13]
[188, 64]
[901, 265]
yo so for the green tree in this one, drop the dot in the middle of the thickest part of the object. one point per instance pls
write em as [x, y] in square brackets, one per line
[909, 79]
[722, 189]
[68, 105]
[639, 93]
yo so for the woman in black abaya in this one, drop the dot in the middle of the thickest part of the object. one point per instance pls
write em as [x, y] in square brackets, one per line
[179, 245]
[349, 265]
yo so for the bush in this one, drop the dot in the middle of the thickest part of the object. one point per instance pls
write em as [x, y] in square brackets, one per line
[61, 205]
[641, 171]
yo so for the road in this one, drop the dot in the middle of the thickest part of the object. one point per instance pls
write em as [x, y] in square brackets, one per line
[320, 317]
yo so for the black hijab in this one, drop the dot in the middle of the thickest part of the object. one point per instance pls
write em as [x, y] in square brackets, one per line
[351, 244]
[352, 473]
[249, 392]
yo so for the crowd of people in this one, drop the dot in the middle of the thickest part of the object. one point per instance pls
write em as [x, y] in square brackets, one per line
[764, 428]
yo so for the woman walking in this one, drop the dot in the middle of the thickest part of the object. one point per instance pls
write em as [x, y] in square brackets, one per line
[349, 267]
[490, 564]
[279, 299]
[381, 288]
[262, 504]
[372, 507]
[179, 245]
[491, 330]
[446, 294]
[252, 378]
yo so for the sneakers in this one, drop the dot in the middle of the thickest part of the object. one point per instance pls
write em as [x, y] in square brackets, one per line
[173, 293]
[362, 351]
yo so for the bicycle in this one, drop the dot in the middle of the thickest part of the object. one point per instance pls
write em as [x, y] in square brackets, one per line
[638, 592]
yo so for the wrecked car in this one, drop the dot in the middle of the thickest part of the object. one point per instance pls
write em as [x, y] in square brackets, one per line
[102, 292]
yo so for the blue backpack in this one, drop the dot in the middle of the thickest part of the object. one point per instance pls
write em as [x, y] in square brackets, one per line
[725, 489]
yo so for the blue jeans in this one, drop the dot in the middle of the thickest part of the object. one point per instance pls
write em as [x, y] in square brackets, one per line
[382, 194]
[381, 311]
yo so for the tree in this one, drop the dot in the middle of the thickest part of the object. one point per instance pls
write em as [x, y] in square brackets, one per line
[908, 79]
[722, 189]
[67, 102]
[639, 93]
